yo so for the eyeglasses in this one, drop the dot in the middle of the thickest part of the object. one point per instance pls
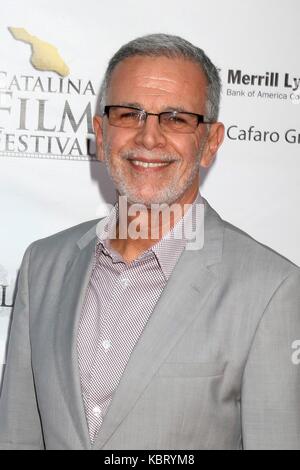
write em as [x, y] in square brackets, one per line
[170, 121]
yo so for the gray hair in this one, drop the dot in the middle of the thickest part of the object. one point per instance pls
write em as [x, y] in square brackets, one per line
[157, 45]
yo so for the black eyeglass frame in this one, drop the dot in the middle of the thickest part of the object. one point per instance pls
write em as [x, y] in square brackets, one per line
[201, 119]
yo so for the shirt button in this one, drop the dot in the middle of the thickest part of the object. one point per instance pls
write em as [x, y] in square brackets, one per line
[97, 411]
[106, 343]
[125, 282]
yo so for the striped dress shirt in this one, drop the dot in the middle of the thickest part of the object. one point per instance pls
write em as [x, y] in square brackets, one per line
[119, 300]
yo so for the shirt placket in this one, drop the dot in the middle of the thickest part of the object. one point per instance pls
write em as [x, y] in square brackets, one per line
[105, 372]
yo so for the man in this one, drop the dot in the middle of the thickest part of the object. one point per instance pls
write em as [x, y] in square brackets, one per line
[154, 341]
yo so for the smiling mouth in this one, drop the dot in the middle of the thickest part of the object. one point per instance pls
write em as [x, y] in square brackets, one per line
[143, 164]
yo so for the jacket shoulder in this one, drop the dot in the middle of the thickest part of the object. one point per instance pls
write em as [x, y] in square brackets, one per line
[248, 254]
[64, 240]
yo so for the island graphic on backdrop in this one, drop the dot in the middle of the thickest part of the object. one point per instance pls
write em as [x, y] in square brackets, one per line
[44, 56]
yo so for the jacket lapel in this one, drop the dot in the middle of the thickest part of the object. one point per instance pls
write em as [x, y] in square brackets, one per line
[190, 284]
[73, 291]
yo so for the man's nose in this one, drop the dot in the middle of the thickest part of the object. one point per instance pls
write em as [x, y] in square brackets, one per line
[150, 134]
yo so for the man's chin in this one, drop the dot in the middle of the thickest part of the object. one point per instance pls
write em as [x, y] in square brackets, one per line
[147, 202]
[149, 199]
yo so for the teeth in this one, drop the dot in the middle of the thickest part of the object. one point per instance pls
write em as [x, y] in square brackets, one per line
[148, 165]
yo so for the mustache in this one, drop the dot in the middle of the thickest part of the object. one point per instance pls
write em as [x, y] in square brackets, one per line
[135, 154]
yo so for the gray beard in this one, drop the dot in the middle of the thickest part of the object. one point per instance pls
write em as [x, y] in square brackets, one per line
[168, 195]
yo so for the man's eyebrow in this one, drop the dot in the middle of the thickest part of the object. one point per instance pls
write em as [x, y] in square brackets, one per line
[179, 109]
[130, 104]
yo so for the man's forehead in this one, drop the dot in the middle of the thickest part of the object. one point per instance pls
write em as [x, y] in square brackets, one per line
[160, 69]
[158, 77]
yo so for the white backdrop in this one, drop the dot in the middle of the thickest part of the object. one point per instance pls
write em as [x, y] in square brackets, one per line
[47, 180]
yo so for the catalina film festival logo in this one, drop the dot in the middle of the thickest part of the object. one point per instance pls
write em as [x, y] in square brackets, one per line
[44, 113]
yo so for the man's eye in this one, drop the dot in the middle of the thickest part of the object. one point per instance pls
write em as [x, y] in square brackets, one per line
[130, 115]
[174, 118]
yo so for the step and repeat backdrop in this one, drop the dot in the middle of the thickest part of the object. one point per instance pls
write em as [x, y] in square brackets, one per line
[53, 55]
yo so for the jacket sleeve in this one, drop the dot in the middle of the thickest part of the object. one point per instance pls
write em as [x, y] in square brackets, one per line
[270, 398]
[20, 425]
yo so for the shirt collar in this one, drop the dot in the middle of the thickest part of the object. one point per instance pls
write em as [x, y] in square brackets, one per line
[167, 250]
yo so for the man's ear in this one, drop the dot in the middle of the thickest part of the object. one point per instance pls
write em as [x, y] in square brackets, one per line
[214, 140]
[98, 128]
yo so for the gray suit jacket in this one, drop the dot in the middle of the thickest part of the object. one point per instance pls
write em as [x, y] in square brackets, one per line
[213, 368]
